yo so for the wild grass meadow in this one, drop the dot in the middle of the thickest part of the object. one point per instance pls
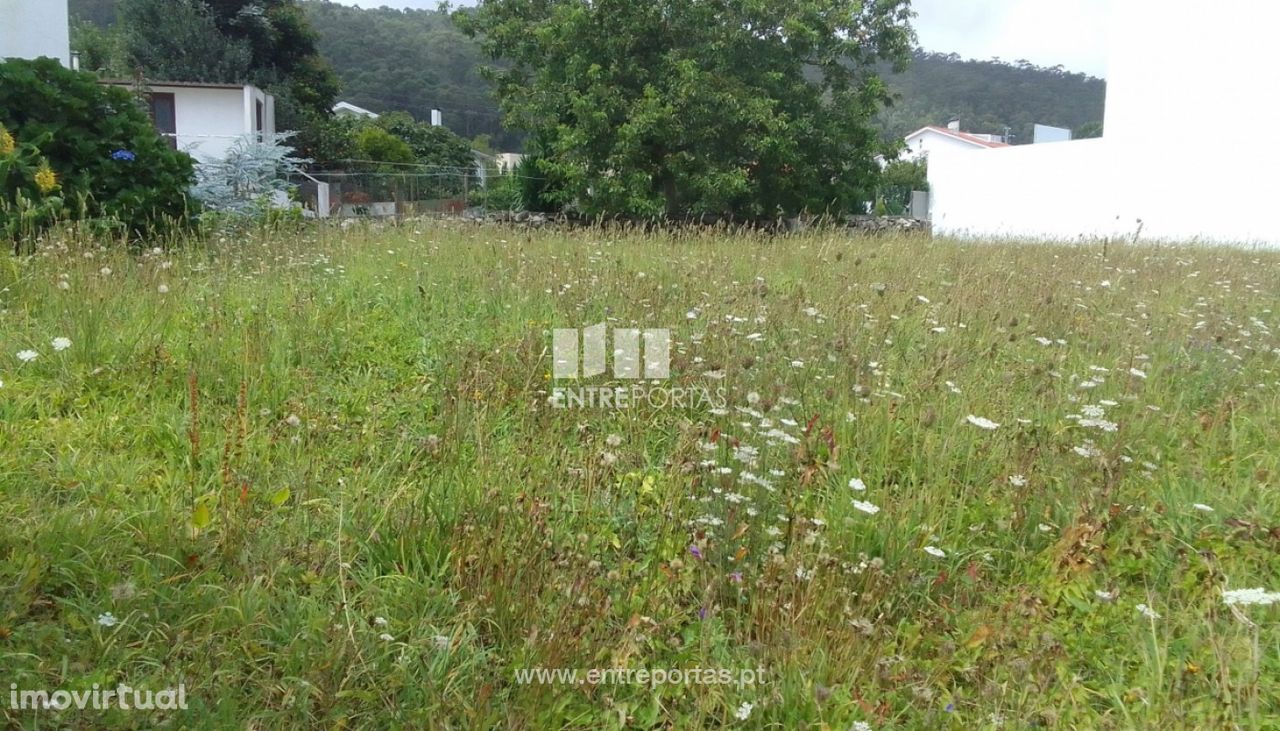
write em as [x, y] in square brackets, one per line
[316, 478]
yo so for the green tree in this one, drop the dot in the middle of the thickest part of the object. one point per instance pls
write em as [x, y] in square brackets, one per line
[1088, 131]
[374, 144]
[109, 162]
[750, 107]
[267, 43]
[179, 40]
[431, 145]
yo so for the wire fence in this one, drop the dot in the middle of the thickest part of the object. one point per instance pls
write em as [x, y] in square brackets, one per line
[403, 192]
[367, 188]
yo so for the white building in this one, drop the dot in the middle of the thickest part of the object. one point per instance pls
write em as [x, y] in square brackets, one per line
[347, 109]
[508, 162]
[35, 28]
[1186, 152]
[922, 142]
[205, 120]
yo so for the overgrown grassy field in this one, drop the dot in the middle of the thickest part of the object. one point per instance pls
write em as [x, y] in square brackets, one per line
[316, 479]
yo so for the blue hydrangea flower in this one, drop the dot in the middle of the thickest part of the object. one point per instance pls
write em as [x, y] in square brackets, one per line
[123, 156]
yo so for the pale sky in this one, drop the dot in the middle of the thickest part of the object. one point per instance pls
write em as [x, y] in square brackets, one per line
[1072, 33]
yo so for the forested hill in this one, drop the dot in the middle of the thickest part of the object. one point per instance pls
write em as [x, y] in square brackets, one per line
[988, 96]
[416, 60]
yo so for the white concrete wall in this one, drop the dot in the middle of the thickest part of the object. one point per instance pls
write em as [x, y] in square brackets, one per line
[1188, 151]
[208, 120]
[1004, 193]
[35, 28]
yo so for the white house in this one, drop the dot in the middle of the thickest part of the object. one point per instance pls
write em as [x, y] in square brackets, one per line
[347, 109]
[508, 161]
[1186, 154]
[205, 120]
[922, 142]
[35, 28]
[202, 119]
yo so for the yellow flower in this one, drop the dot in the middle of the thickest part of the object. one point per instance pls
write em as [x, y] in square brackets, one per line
[46, 179]
[7, 145]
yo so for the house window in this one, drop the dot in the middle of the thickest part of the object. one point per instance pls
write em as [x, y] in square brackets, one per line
[259, 127]
[164, 116]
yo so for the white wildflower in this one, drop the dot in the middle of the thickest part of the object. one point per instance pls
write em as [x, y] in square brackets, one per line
[935, 551]
[26, 356]
[613, 440]
[1088, 450]
[866, 507]
[1250, 596]
[857, 484]
[744, 711]
[60, 344]
[163, 289]
[982, 423]
[386, 637]
[107, 619]
[1137, 373]
[1018, 480]
[1202, 507]
[1105, 596]
[1147, 612]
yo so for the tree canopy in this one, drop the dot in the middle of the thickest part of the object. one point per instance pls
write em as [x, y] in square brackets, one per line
[743, 107]
[418, 60]
[268, 43]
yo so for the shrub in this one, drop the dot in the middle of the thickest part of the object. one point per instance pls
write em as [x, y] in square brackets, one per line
[32, 194]
[109, 160]
[250, 179]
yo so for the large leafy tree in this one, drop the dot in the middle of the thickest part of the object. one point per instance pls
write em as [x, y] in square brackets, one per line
[434, 146]
[264, 42]
[749, 107]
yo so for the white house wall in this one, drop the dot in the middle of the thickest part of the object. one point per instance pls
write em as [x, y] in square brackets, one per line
[1189, 150]
[925, 144]
[19, 17]
[209, 120]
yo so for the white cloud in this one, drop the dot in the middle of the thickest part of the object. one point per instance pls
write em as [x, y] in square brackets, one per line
[1071, 33]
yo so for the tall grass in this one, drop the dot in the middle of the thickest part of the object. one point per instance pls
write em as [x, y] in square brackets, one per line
[315, 477]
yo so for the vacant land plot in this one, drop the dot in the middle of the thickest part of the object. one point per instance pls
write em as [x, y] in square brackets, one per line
[320, 479]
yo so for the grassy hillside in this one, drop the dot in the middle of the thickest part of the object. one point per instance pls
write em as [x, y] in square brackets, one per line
[953, 486]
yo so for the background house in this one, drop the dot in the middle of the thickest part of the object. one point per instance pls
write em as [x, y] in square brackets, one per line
[205, 120]
[35, 28]
[924, 141]
[347, 109]
[1185, 154]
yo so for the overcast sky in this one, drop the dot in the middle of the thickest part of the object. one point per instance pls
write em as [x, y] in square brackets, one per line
[1072, 33]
